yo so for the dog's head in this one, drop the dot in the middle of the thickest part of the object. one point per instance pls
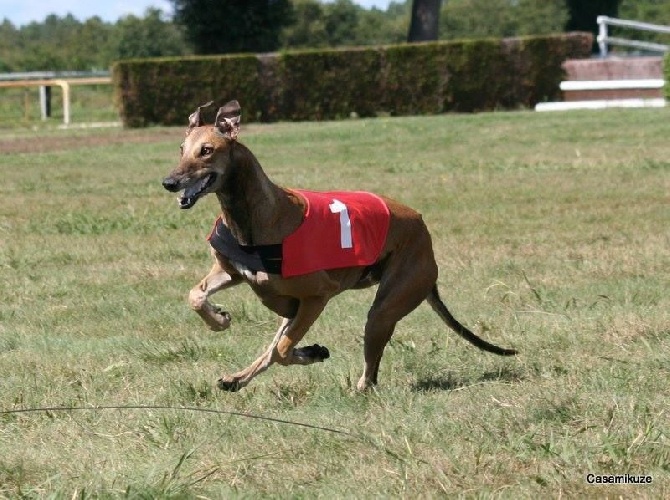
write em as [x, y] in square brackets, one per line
[205, 154]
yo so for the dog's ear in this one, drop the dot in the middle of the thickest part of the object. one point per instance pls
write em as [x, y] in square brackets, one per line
[196, 119]
[228, 120]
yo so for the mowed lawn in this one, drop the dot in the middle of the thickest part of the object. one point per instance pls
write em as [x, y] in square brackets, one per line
[552, 232]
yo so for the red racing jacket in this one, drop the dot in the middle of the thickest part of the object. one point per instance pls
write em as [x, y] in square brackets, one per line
[339, 229]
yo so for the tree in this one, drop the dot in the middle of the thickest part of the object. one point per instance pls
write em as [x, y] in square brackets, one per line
[341, 22]
[540, 17]
[151, 36]
[649, 11]
[463, 19]
[377, 27]
[318, 24]
[583, 15]
[229, 26]
[307, 27]
[52, 45]
[8, 37]
[502, 18]
[424, 23]
[95, 42]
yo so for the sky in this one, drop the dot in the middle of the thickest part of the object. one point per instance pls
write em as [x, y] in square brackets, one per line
[22, 12]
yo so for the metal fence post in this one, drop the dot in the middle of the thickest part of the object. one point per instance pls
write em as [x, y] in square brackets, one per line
[602, 35]
[45, 101]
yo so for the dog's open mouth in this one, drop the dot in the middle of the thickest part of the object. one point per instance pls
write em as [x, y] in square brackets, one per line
[196, 190]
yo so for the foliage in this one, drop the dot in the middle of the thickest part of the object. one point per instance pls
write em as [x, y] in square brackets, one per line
[535, 17]
[341, 22]
[650, 11]
[316, 24]
[583, 14]
[377, 27]
[150, 36]
[64, 43]
[307, 27]
[58, 43]
[231, 26]
[153, 91]
[501, 18]
[330, 84]
[463, 76]
[424, 92]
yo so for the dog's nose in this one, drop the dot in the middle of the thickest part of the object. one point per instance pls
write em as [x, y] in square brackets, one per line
[170, 184]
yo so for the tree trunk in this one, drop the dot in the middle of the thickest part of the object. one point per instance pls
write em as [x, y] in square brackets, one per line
[425, 20]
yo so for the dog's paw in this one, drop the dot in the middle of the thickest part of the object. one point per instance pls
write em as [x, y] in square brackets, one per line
[222, 318]
[314, 352]
[229, 384]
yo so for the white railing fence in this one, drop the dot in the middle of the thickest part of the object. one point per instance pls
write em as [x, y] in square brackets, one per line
[604, 39]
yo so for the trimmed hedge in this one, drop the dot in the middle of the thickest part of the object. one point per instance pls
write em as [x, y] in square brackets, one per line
[166, 90]
[414, 79]
[328, 84]
[428, 78]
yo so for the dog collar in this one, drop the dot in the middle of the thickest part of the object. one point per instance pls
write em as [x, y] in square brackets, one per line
[265, 258]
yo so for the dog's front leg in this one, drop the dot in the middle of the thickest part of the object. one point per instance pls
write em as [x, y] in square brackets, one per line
[283, 349]
[217, 279]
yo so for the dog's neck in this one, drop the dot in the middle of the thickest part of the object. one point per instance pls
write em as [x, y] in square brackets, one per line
[257, 211]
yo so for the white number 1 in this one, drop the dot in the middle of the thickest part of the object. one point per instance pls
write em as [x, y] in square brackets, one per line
[345, 223]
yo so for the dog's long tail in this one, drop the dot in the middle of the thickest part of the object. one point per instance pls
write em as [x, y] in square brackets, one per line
[441, 309]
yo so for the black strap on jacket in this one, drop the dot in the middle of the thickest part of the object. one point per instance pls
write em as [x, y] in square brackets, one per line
[266, 258]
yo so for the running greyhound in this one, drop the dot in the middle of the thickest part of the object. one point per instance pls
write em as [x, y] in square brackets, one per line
[298, 249]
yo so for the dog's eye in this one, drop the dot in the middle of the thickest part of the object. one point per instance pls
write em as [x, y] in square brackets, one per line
[206, 150]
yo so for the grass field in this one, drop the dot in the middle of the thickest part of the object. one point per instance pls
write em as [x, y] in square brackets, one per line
[552, 232]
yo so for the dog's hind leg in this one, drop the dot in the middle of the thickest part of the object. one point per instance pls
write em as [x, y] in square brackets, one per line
[283, 349]
[385, 313]
[400, 291]
[216, 280]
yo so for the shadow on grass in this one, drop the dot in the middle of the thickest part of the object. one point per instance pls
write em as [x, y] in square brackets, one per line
[450, 382]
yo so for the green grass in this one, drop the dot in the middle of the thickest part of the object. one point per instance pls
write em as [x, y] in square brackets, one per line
[552, 232]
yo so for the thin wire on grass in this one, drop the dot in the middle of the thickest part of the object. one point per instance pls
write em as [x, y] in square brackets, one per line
[359, 437]
[182, 408]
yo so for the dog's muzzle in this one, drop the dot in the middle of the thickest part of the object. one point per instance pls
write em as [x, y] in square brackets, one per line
[170, 184]
[193, 189]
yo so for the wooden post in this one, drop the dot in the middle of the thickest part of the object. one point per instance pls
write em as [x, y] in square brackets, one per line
[66, 101]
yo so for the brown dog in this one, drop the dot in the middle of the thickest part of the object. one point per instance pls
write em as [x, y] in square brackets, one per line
[258, 217]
